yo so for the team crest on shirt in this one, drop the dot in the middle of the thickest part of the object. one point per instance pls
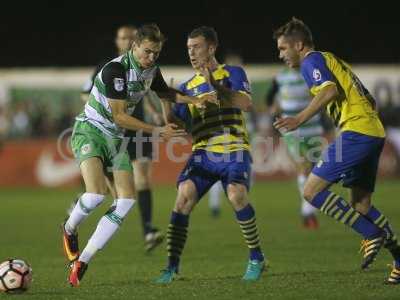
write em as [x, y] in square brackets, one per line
[316, 75]
[119, 84]
[85, 149]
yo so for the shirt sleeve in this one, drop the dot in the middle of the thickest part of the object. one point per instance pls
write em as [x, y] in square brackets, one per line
[87, 87]
[181, 111]
[239, 81]
[316, 73]
[114, 79]
[159, 84]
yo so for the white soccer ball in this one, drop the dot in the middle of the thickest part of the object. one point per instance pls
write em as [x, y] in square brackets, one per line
[15, 276]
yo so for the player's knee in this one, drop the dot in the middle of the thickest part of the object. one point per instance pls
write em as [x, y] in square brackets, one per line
[142, 183]
[237, 195]
[89, 201]
[186, 199]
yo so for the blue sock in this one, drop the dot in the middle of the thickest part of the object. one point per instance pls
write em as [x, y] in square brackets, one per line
[176, 238]
[336, 207]
[247, 221]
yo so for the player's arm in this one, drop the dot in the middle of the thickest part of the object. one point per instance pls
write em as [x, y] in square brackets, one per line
[321, 81]
[170, 112]
[151, 110]
[326, 95]
[272, 105]
[173, 95]
[239, 96]
[113, 77]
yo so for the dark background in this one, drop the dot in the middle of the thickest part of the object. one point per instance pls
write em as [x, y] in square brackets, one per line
[81, 33]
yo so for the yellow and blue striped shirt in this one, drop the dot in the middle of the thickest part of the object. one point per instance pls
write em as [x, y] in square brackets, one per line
[217, 128]
[354, 108]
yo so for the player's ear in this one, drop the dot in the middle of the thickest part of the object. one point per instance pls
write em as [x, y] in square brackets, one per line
[299, 46]
[134, 45]
[212, 49]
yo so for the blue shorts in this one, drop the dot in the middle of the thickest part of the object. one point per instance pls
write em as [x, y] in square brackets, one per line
[205, 168]
[352, 157]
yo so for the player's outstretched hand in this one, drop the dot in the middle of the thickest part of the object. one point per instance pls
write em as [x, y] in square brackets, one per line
[211, 98]
[286, 124]
[170, 130]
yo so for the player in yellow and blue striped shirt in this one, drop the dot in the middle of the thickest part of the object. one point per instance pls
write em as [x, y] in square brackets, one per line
[220, 149]
[354, 156]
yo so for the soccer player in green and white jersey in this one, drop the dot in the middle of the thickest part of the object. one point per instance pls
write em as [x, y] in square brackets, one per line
[288, 96]
[98, 143]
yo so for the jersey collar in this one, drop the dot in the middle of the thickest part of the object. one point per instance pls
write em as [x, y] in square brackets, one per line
[134, 63]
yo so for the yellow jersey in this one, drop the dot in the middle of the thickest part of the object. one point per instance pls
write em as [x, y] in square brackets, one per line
[217, 128]
[354, 108]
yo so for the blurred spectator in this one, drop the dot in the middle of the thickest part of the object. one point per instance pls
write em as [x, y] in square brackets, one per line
[21, 125]
[233, 58]
[389, 115]
[4, 126]
[66, 119]
[4, 122]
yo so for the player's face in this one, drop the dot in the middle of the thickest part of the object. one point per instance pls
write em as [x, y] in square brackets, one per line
[289, 52]
[124, 39]
[146, 53]
[200, 52]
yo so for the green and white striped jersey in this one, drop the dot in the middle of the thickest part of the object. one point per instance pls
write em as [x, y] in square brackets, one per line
[121, 78]
[294, 96]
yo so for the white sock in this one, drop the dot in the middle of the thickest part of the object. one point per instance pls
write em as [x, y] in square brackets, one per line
[106, 228]
[215, 195]
[86, 203]
[306, 208]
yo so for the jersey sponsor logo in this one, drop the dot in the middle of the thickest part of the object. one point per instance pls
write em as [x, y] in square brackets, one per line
[317, 75]
[119, 84]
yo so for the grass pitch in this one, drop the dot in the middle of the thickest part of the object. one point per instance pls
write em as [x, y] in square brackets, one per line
[322, 264]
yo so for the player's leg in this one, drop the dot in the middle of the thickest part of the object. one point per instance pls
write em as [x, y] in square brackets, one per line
[142, 177]
[349, 158]
[236, 182]
[92, 173]
[178, 229]
[361, 200]
[86, 143]
[113, 218]
[317, 193]
[107, 226]
[121, 168]
[193, 183]
[298, 149]
[214, 199]
[308, 212]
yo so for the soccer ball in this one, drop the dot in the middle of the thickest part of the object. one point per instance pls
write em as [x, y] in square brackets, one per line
[15, 276]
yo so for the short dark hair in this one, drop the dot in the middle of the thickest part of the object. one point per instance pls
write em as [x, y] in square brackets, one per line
[209, 34]
[150, 32]
[297, 30]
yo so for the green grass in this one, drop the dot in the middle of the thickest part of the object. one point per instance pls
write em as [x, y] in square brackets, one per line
[321, 264]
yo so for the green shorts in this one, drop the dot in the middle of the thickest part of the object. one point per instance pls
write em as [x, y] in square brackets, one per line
[309, 148]
[88, 141]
